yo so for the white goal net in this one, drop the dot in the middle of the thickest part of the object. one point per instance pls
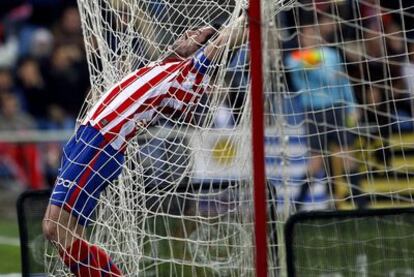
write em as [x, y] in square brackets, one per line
[338, 116]
[182, 205]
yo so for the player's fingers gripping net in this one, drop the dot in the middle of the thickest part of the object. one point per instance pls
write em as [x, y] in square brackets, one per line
[191, 41]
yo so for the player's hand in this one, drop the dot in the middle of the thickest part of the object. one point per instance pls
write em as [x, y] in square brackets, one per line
[238, 32]
[231, 36]
[234, 34]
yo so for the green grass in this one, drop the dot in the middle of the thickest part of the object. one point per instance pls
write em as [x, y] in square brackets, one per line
[175, 257]
[374, 246]
[9, 259]
[9, 253]
[9, 228]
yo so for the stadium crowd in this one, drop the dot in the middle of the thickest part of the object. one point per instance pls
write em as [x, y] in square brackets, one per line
[352, 75]
[375, 45]
[43, 82]
[44, 75]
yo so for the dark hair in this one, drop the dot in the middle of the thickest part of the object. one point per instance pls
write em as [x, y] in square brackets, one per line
[215, 25]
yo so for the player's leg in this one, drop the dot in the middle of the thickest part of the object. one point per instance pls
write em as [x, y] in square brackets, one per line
[83, 259]
[60, 227]
[88, 165]
[316, 140]
[316, 136]
[344, 142]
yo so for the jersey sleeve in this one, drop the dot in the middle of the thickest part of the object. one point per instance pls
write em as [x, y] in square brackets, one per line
[201, 63]
[187, 89]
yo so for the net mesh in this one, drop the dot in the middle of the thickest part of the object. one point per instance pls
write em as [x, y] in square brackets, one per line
[338, 112]
[345, 244]
[181, 206]
[349, 67]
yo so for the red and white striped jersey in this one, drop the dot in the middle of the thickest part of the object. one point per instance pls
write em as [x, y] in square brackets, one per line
[141, 97]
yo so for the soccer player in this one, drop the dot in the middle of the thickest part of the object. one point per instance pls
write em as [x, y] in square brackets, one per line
[94, 156]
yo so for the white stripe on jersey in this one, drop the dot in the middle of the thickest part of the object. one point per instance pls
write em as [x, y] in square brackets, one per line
[144, 116]
[136, 85]
[125, 93]
[130, 126]
[172, 103]
[187, 84]
[125, 114]
[105, 95]
[132, 108]
[126, 129]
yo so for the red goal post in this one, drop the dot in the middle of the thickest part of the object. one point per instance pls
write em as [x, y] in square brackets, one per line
[259, 175]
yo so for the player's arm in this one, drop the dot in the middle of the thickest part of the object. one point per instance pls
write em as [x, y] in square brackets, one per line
[232, 36]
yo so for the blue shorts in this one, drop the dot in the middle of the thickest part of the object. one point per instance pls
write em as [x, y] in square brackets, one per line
[89, 164]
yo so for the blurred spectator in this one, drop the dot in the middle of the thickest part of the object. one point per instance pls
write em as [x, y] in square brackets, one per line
[376, 112]
[42, 14]
[7, 5]
[8, 48]
[378, 66]
[41, 45]
[366, 64]
[328, 102]
[10, 24]
[23, 160]
[12, 118]
[68, 30]
[408, 69]
[43, 80]
[68, 79]
[32, 85]
[394, 42]
[397, 60]
[39, 100]
[58, 119]
[6, 80]
[328, 28]
[7, 83]
[372, 14]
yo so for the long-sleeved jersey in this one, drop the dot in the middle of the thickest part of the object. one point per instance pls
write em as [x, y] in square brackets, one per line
[95, 154]
[146, 94]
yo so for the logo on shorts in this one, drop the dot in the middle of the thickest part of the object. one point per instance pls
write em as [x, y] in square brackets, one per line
[65, 183]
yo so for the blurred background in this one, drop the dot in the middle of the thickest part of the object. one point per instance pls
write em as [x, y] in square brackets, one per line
[44, 79]
[43, 82]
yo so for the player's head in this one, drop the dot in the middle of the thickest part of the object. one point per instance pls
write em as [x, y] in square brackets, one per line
[192, 40]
